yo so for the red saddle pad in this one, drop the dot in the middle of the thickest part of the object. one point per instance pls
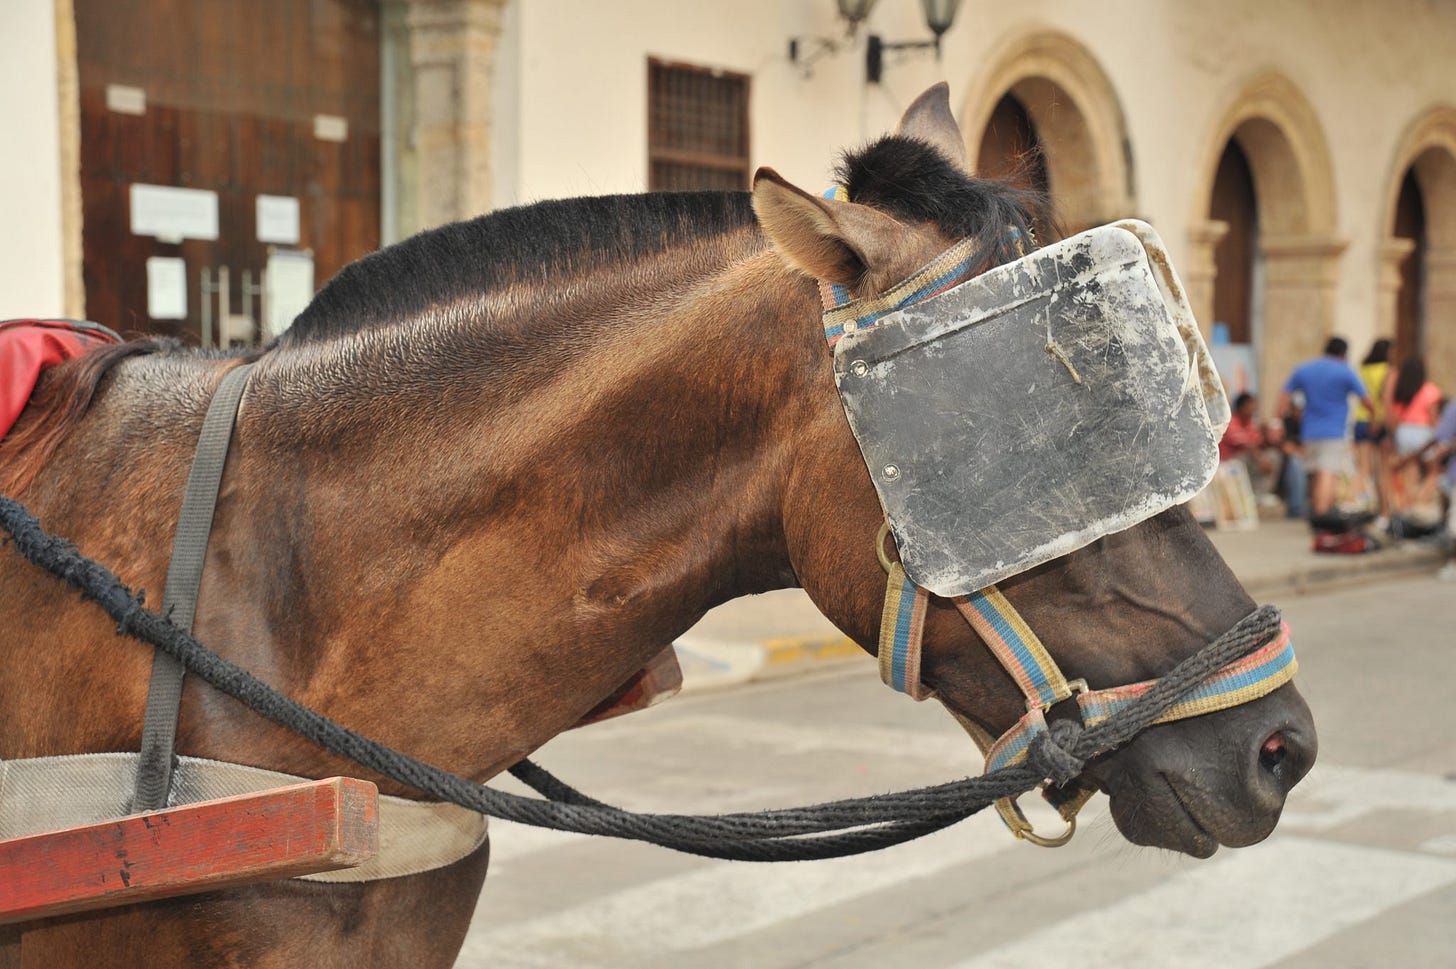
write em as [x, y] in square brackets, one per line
[29, 346]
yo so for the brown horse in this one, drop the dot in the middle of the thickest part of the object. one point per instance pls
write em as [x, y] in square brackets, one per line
[495, 469]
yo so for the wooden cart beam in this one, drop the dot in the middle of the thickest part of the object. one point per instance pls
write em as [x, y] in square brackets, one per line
[296, 830]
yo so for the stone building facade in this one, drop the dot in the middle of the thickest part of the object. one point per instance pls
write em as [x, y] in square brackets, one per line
[1336, 117]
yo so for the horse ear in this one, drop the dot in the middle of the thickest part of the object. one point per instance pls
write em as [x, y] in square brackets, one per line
[837, 241]
[929, 119]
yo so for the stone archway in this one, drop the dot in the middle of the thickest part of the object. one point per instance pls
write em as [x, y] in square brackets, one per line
[1426, 152]
[1077, 119]
[1278, 132]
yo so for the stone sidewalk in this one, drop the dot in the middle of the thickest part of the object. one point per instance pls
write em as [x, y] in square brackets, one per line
[782, 633]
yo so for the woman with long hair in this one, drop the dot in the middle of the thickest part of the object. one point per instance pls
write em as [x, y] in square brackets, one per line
[1411, 408]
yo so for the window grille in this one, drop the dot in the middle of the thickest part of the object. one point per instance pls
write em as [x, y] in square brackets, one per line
[697, 128]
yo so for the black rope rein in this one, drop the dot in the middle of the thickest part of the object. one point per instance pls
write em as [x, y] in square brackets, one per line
[829, 830]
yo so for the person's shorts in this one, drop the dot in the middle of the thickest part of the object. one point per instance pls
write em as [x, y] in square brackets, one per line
[1410, 438]
[1332, 456]
[1368, 431]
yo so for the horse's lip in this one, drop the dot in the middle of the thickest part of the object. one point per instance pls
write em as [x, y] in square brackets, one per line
[1203, 842]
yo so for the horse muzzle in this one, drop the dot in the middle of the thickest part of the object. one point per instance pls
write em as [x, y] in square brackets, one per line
[1220, 779]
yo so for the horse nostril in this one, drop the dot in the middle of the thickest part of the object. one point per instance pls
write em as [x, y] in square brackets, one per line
[1273, 752]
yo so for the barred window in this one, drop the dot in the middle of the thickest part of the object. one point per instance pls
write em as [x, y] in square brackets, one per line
[697, 128]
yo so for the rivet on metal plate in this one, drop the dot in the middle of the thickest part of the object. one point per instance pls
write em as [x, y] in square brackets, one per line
[859, 368]
[891, 471]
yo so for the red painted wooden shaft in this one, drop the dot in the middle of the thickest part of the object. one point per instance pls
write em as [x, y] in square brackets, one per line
[295, 830]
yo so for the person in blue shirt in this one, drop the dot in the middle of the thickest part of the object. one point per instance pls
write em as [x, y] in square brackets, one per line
[1327, 383]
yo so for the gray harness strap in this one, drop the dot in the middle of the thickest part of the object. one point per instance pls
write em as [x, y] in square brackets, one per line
[179, 599]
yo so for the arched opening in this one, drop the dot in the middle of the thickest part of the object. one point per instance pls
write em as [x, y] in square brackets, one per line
[1044, 114]
[1255, 200]
[1011, 152]
[1410, 304]
[1059, 161]
[1417, 258]
[1235, 205]
[1262, 243]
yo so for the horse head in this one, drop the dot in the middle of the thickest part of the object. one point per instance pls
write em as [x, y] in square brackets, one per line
[1125, 608]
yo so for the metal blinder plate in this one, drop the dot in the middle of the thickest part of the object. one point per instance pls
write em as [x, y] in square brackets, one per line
[1034, 409]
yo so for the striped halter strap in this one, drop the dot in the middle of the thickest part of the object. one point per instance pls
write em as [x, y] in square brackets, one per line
[997, 622]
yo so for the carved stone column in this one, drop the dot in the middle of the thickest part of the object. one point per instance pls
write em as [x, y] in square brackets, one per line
[444, 167]
[1300, 273]
[68, 86]
[1391, 253]
[1201, 272]
[1440, 321]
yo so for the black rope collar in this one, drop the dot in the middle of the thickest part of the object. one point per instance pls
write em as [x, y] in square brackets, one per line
[828, 830]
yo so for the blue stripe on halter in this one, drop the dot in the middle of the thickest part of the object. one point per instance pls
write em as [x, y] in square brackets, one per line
[952, 275]
[1030, 666]
[903, 630]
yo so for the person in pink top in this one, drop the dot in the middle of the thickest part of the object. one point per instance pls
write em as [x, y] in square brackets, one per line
[1411, 409]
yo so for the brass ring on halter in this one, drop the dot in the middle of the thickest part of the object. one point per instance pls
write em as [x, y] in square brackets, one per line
[1029, 835]
[1020, 825]
[885, 562]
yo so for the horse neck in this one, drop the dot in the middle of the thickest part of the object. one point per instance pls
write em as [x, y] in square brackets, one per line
[623, 398]
[610, 481]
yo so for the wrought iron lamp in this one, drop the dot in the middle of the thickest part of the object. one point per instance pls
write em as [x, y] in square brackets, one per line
[804, 51]
[939, 15]
[855, 11]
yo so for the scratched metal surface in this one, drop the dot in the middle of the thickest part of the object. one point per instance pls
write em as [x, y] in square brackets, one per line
[1030, 411]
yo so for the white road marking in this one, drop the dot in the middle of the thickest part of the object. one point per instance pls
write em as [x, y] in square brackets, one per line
[1245, 909]
[1444, 844]
[956, 752]
[718, 903]
[1250, 909]
[510, 842]
[1331, 796]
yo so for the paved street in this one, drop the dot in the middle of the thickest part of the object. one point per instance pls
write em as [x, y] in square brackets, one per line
[1361, 873]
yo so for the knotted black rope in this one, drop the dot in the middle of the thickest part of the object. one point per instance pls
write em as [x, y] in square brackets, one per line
[829, 830]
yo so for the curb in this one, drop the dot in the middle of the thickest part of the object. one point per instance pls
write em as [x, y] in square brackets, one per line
[1387, 563]
[712, 662]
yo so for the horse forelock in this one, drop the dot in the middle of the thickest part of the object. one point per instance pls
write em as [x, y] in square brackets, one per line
[913, 181]
[540, 245]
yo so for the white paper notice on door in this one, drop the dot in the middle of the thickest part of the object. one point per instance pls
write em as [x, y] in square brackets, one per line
[278, 219]
[166, 288]
[173, 214]
[288, 287]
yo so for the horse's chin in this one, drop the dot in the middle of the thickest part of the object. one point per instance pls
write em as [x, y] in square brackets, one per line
[1173, 812]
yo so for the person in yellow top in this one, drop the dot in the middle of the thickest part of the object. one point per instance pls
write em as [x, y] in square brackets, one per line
[1370, 430]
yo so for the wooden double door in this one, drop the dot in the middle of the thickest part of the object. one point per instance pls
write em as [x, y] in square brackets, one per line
[240, 99]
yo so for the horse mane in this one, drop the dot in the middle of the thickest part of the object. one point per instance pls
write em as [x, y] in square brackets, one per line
[548, 240]
[528, 244]
[539, 243]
